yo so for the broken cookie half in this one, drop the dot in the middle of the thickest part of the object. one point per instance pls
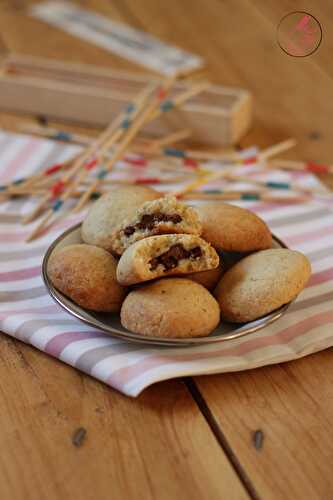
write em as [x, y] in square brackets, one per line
[162, 216]
[165, 255]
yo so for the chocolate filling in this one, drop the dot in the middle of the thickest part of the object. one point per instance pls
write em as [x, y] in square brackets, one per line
[171, 257]
[148, 221]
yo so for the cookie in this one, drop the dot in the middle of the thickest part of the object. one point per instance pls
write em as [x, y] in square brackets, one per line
[209, 279]
[165, 255]
[170, 308]
[107, 213]
[261, 283]
[87, 275]
[163, 216]
[233, 229]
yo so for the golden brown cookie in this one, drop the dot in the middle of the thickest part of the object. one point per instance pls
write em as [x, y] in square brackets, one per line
[87, 275]
[163, 216]
[107, 213]
[170, 308]
[165, 255]
[233, 229]
[261, 283]
[209, 279]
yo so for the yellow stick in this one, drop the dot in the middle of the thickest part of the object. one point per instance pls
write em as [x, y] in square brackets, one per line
[52, 133]
[279, 148]
[233, 156]
[157, 144]
[243, 178]
[192, 186]
[228, 195]
[85, 140]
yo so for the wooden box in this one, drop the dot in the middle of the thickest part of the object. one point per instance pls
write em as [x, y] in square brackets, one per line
[91, 95]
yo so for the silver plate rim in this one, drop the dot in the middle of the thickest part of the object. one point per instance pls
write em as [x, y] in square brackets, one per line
[84, 316]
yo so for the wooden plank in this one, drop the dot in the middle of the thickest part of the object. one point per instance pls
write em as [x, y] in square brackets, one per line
[157, 446]
[292, 404]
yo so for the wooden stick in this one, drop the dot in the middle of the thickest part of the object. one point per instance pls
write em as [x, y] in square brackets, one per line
[40, 190]
[244, 196]
[172, 138]
[144, 144]
[194, 185]
[211, 155]
[218, 195]
[268, 184]
[55, 134]
[311, 167]
[235, 157]
[215, 195]
[279, 148]
[144, 181]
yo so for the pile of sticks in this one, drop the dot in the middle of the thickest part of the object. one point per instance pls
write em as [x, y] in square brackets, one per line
[87, 175]
[99, 157]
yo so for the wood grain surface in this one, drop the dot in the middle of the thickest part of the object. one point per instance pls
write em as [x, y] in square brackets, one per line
[194, 440]
[291, 404]
[158, 446]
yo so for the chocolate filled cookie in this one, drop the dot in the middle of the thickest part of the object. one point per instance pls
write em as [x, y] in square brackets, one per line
[165, 255]
[170, 308]
[107, 213]
[233, 229]
[261, 283]
[87, 275]
[163, 216]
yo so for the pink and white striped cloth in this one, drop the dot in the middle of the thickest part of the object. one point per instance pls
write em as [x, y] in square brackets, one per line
[29, 314]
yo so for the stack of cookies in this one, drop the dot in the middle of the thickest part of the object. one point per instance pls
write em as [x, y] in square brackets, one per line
[166, 266]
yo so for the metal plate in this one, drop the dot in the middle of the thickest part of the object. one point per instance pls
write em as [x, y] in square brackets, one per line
[110, 323]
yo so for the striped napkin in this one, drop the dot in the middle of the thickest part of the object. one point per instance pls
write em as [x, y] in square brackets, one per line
[29, 314]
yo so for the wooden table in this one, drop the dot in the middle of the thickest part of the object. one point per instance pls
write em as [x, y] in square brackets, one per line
[186, 439]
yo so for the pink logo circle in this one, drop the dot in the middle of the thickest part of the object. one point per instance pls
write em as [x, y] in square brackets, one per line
[299, 34]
